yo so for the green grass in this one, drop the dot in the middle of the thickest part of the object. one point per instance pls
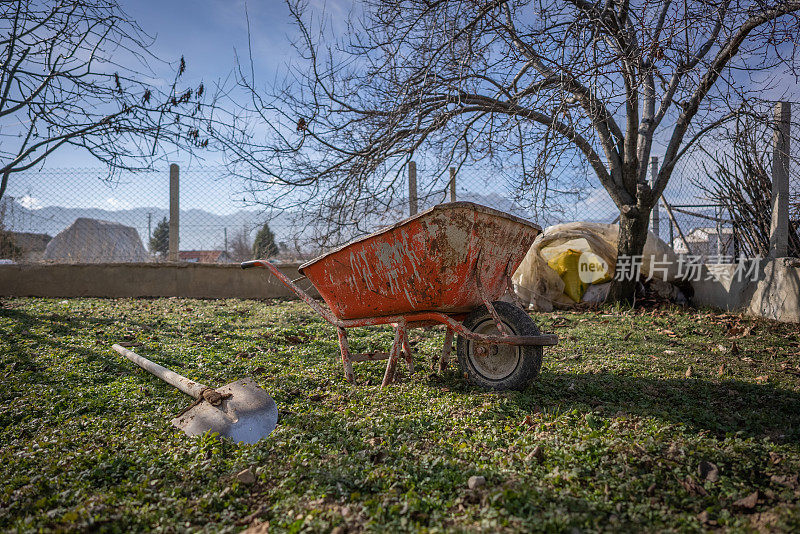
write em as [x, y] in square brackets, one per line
[85, 439]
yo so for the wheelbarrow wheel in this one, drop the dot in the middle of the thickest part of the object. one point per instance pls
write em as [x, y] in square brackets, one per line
[499, 366]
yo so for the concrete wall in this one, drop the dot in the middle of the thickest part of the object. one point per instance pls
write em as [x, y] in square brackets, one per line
[144, 280]
[774, 294]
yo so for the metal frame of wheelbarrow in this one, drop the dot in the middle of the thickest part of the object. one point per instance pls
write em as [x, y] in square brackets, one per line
[401, 323]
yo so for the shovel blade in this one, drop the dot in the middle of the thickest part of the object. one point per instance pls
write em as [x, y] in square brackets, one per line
[247, 416]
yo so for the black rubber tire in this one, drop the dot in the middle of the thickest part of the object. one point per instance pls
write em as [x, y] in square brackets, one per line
[518, 365]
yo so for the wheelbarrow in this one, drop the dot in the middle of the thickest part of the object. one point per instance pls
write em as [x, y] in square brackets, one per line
[448, 265]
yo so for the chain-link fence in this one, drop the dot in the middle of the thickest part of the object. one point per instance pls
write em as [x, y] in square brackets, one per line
[83, 215]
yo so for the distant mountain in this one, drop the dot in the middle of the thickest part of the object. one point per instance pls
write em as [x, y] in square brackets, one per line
[199, 229]
[203, 230]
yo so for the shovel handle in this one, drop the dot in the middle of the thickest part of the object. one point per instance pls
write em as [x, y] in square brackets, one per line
[190, 387]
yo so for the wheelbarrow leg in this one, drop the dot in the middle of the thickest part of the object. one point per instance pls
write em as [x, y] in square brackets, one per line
[444, 359]
[407, 350]
[346, 362]
[394, 355]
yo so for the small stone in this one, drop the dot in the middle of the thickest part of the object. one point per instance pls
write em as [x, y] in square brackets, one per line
[476, 481]
[246, 477]
[708, 471]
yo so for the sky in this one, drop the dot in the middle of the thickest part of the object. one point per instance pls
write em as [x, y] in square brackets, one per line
[207, 33]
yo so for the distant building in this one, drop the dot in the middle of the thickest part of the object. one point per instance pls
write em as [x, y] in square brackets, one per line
[204, 256]
[704, 241]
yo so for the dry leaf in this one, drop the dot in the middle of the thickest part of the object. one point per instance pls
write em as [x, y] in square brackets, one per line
[536, 454]
[693, 488]
[528, 421]
[705, 518]
[735, 330]
[747, 503]
[785, 480]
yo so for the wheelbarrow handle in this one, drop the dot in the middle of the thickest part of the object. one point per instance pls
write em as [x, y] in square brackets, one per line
[305, 297]
[190, 387]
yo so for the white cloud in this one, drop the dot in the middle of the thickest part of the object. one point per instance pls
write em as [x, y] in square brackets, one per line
[598, 196]
[117, 204]
[29, 202]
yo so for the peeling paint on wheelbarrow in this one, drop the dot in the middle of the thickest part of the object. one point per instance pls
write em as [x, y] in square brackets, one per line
[427, 262]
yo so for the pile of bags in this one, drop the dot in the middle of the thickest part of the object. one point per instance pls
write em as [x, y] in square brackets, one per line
[574, 262]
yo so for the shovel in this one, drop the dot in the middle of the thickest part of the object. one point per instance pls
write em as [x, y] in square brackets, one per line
[241, 410]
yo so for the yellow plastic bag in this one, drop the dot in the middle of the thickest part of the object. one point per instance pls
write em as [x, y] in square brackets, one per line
[566, 266]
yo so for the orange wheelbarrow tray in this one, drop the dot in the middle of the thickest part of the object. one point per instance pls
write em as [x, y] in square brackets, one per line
[447, 265]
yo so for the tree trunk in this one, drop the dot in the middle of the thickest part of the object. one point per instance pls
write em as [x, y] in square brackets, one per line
[633, 228]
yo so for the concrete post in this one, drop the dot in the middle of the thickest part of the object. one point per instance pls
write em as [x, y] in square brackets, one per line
[174, 209]
[779, 228]
[452, 184]
[720, 249]
[655, 216]
[412, 188]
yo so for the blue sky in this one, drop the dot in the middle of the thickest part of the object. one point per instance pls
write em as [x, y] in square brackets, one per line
[206, 33]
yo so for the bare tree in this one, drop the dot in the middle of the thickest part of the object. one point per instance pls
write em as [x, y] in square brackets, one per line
[736, 174]
[9, 249]
[538, 83]
[241, 246]
[75, 73]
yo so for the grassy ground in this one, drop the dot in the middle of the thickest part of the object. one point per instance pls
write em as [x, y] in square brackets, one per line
[627, 409]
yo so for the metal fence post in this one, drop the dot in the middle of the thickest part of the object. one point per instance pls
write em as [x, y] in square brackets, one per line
[779, 227]
[412, 188]
[174, 209]
[655, 214]
[452, 184]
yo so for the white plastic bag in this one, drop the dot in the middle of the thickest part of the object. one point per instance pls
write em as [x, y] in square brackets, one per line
[542, 288]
